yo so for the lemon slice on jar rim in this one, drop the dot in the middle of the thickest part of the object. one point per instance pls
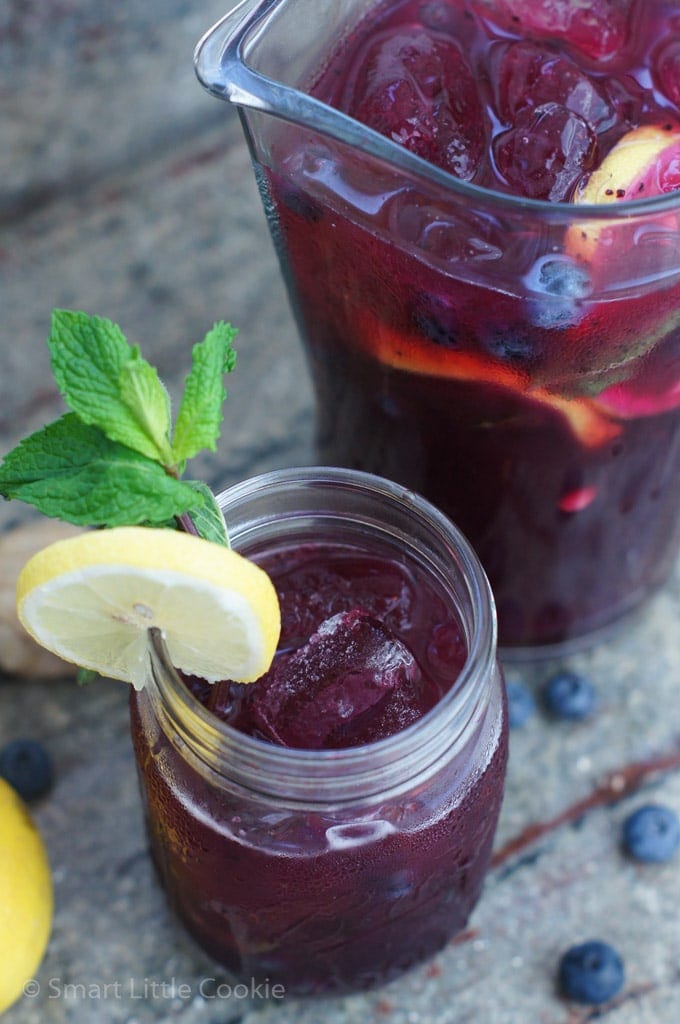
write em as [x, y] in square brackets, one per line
[91, 600]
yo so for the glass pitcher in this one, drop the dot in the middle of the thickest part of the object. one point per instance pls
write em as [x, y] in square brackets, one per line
[514, 360]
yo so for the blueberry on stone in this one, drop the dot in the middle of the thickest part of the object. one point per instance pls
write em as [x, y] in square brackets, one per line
[521, 704]
[570, 695]
[592, 972]
[27, 766]
[651, 834]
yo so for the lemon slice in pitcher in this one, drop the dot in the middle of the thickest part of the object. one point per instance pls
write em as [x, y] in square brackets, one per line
[91, 599]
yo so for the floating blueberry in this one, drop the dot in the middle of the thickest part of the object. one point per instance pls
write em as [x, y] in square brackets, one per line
[562, 286]
[570, 695]
[512, 346]
[397, 886]
[521, 704]
[560, 276]
[438, 15]
[591, 973]
[301, 204]
[651, 834]
[27, 766]
[555, 314]
[436, 320]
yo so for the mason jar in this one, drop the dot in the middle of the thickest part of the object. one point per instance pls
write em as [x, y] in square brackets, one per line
[337, 869]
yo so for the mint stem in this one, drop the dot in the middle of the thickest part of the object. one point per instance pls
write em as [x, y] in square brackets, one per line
[186, 523]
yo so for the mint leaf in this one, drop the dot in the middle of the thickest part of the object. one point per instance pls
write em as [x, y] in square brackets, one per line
[110, 462]
[142, 392]
[72, 471]
[107, 383]
[209, 520]
[200, 412]
[85, 676]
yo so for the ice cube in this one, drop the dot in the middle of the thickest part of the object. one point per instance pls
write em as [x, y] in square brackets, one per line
[419, 91]
[598, 28]
[310, 592]
[666, 70]
[352, 682]
[529, 76]
[546, 153]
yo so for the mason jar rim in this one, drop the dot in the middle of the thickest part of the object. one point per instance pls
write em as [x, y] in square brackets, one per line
[355, 772]
[221, 68]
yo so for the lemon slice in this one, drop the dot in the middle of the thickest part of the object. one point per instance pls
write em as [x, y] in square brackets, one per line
[642, 164]
[25, 896]
[91, 599]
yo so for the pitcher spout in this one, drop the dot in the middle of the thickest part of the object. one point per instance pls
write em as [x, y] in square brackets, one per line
[219, 56]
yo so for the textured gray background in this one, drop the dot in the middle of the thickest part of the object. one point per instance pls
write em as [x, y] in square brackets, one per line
[126, 191]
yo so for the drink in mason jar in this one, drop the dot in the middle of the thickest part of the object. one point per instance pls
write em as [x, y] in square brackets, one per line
[477, 328]
[330, 825]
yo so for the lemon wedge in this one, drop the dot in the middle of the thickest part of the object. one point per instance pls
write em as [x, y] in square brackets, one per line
[637, 167]
[91, 599]
[25, 896]
[642, 164]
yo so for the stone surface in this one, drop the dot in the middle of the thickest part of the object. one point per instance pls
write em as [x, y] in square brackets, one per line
[127, 192]
[20, 655]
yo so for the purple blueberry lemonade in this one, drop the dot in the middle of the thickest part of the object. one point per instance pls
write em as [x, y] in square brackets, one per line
[330, 825]
[477, 329]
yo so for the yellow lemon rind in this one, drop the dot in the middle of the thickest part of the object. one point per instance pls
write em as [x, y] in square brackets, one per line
[633, 155]
[178, 575]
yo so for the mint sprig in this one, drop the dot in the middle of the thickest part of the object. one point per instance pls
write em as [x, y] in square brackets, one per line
[114, 459]
[200, 412]
[108, 384]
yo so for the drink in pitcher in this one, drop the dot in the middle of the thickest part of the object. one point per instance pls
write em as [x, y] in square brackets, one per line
[475, 205]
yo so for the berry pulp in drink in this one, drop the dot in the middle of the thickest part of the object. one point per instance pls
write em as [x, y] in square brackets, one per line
[519, 368]
[338, 894]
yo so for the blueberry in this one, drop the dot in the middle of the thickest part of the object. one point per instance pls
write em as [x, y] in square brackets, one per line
[570, 695]
[301, 204]
[437, 15]
[563, 285]
[591, 973]
[521, 704]
[559, 276]
[651, 834]
[27, 766]
[436, 320]
[555, 314]
[511, 346]
[397, 886]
